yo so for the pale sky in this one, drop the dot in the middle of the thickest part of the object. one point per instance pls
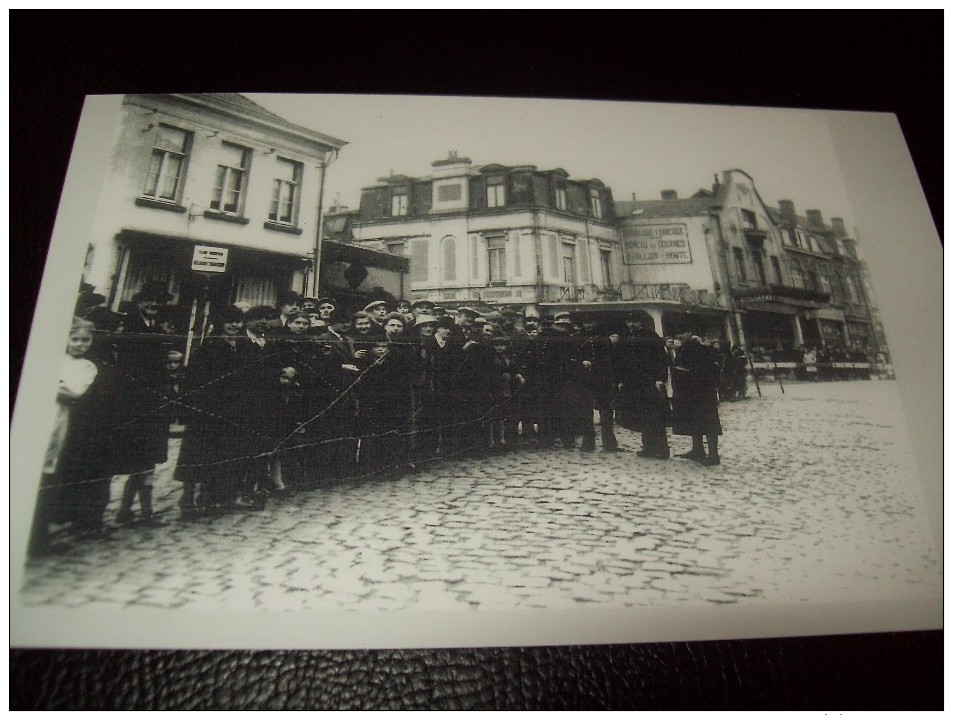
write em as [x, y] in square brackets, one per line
[632, 147]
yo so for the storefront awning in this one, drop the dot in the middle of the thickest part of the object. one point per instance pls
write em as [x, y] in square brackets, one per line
[145, 240]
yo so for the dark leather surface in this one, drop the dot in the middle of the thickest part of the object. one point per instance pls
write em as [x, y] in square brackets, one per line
[863, 62]
[886, 671]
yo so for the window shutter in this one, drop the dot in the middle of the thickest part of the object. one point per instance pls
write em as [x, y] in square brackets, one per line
[553, 256]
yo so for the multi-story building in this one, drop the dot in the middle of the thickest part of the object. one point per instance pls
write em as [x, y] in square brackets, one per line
[825, 258]
[495, 234]
[213, 195]
[715, 264]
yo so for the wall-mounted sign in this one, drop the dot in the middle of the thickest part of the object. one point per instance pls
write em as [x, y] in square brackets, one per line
[209, 259]
[647, 245]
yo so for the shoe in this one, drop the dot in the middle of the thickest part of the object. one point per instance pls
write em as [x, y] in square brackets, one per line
[692, 455]
[662, 455]
[588, 448]
[124, 517]
[245, 503]
[644, 453]
[711, 461]
[617, 448]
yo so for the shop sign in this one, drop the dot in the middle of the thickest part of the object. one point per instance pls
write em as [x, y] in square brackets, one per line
[209, 259]
[649, 245]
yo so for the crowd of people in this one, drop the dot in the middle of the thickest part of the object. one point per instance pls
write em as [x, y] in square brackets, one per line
[275, 400]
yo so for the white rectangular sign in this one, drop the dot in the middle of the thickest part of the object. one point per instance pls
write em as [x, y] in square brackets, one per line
[643, 245]
[210, 259]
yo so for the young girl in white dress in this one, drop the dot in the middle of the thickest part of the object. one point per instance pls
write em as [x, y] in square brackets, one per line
[76, 375]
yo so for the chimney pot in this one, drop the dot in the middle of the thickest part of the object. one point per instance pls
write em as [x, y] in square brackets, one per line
[669, 194]
[814, 217]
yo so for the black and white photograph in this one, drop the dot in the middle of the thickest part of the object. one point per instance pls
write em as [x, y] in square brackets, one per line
[358, 370]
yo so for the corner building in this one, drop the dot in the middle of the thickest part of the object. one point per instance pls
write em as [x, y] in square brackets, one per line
[208, 171]
[495, 234]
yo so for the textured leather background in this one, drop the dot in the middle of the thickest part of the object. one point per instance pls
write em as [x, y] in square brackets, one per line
[870, 62]
[888, 671]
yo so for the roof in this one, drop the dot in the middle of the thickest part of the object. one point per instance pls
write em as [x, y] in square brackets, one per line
[818, 232]
[668, 208]
[243, 105]
[474, 169]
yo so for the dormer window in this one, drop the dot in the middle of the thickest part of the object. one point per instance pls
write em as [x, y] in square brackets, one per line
[561, 202]
[595, 203]
[399, 201]
[495, 191]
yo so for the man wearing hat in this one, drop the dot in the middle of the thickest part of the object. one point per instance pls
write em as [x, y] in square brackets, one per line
[642, 365]
[422, 307]
[377, 309]
[466, 319]
[599, 381]
[288, 303]
[573, 414]
[144, 319]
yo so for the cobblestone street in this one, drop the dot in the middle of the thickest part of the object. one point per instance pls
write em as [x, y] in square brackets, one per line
[815, 500]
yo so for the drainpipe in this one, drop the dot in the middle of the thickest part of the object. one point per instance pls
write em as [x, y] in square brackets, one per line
[316, 268]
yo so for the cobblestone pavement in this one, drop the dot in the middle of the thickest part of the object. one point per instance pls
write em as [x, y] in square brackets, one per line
[814, 500]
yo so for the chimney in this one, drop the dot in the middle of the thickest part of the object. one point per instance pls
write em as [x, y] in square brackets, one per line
[788, 213]
[814, 218]
[633, 197]
[839, 228]
[669, 194]
[716, 185]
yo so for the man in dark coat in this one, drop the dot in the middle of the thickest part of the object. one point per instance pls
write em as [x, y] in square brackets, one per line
[599, 380]
[642, 365]
[695, 400]
[573, 401]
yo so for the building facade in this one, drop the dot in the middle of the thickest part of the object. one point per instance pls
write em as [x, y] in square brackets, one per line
[496, 235]
[714, 264]
[825, 258]
[211, 194]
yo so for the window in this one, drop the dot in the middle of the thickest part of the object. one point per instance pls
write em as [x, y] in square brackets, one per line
[825, 283]
[230, 176]
[595, 203]
[399, 201]
[569, 263]
[561, 198]
[396, 249]
[740, 265]
[284, 195]
[449, 259]
[797, 275]
[749, 221]
[166, 172]
[759, 267]
[605, 258]
[496, 258]
[852, 290]
[495, 191]
[812, 280]
[776, 267]
[419, 266]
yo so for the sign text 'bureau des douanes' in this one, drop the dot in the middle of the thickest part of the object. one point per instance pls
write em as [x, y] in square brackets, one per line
[642, 245]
